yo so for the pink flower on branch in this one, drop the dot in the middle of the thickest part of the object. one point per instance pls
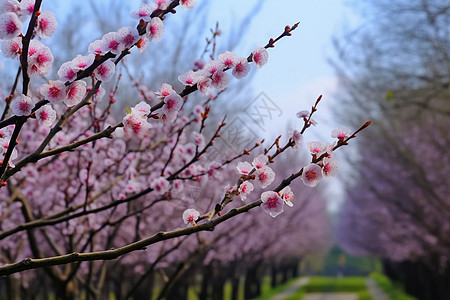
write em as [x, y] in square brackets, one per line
[10, 26]
[11, 48]
[244, 168]
[155, 29]
[287, 195]
[75, 93]
[187, 4]
[241, 68]
[311, 175]
[329, 167]
[190, 215]
[245, 189]
[265, 176]
[272, 203]
[341, 133]
[22, 106]
[105, 71]
[54, 91]
[46, 115]
[260, 56]
[260, 161]
[46, 24]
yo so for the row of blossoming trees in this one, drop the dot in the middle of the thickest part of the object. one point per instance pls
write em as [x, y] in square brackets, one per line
[83, 196]
[398, 201]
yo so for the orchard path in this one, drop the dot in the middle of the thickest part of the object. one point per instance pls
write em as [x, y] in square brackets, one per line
[291, 288]
[375, 291]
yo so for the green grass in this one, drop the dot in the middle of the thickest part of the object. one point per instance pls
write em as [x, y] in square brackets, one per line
[330, 284]
[394, 291]
[267, 292]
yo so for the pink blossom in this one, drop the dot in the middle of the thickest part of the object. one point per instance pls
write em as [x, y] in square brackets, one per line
[272, 203]
[241, 68]
[75, 93]
[245, 189]
[316, 148]
[311, 175]
[67, 71]
[330, 166]
[199, 64]
[198, 111]
[105, 71]
[260, 161]
[228, 59]
[111, 43]
[190, 215]
[172, 105]
[96, 47]
[287, 195]
[81, 62]
[189, 78]
[260, 56]
[46, 24]
[144, 12]
[297, 138]
[22, 105]
[9, 6]
[46, 115]
[199, 139]
[205, 86]
[128, 36]
[165, 90]
[40, 58]
[10, 26]
[220, 80]
[141, 108]
[244, 168]
[187, 4]
[26, 8]
[341, 133]
[212, 67]
[160, 185]
[303, 114]
[136, 124]
[54, 91]
[155, 29]
[11, 48]
[4, 144]
[265, 176]
[162, 4]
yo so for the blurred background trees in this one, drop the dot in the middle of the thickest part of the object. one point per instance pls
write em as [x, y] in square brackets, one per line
[396, 70]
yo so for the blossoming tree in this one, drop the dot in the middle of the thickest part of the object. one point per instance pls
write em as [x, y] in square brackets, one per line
[79, 186]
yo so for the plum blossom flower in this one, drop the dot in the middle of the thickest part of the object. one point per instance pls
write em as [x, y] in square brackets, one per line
[172, 105]
[287, 195]
[26, 8]
[11, 48]
[155, 29]
[10, 26]
[54, 91]
[297, 138]
[67, 71]
[220, 80]
[165, 90]
[46, 115]
[316, 148]
[341, 133]
[105, 71]
[96, 47]
[241, 68]
[199, 139]
[212, 67]
[329, 168]
[144, 11]
[245, 189]
[9, 6]
[260, 56]
[272, 203]
[80, 62]
[40, 58]
[160, 185]
[260, 161]
[190, 215]
[46, 24]
[187, 4]
[244, 168]
[264, 176]
[75, 93]
[162, 4]
[189, 78]
[205, 86]
[228, 59]
[22, 105]
[311, 175]
[135, 123]
[142, 108]
[303, 114]
[128, 36]
[111, 43]
[4, 144]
